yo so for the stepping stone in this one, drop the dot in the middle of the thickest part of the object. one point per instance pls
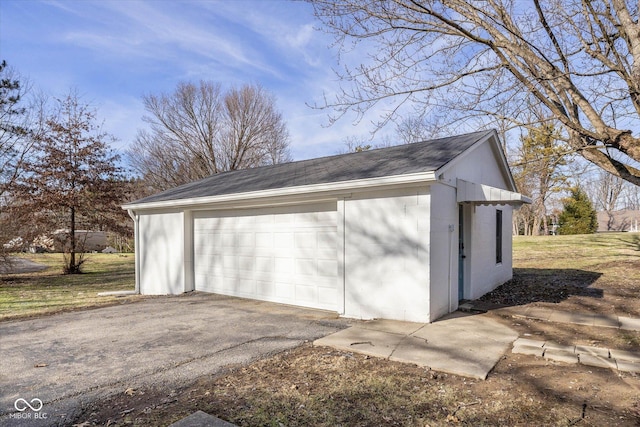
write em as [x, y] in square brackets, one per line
[201, 419]
[627, 356]
[592, 351]
[537, 313]
[629, 323]
[568, 317]
[549, 345]
[597, 361]
[528, 350]
[528, 342]
[628, 366]
[561, 356]
[606, 321]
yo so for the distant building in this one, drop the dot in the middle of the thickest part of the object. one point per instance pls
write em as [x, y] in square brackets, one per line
[622, 220]
[86, 240]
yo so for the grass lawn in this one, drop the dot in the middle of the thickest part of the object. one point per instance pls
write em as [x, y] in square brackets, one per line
[49, 291]
[325, 387]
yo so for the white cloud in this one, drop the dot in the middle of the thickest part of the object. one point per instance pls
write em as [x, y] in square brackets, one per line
[116, 51]
[122, 119]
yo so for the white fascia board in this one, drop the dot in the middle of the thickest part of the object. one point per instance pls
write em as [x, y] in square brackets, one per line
[313, 191]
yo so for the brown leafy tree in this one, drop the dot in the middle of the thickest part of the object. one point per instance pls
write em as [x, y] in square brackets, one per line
[198, 131]
[466, 60]
[72, 179]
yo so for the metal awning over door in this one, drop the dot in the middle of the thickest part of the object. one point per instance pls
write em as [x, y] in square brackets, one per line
[481, 194]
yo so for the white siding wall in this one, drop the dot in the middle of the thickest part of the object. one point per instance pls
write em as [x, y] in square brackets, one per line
[161, 252]
[482, 274]
[485, 273]
[478, 165]
[444, 251]
[386, 252]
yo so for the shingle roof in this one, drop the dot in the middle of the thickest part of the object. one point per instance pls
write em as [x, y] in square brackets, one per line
[427, 156]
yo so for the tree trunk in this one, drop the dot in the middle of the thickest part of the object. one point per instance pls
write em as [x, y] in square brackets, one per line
[72, 268]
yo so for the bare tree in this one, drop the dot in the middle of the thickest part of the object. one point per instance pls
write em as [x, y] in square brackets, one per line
[198, 131]
[606, 193]
[416, 128]
[632, 197]
[71, 179]
[579, 60]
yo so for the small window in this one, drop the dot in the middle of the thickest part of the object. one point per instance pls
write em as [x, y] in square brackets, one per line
[498, 236]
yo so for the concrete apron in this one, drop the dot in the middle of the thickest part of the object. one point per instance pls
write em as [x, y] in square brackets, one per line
[460, 343]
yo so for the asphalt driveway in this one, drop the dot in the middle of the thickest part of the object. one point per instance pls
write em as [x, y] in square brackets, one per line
[69, 359]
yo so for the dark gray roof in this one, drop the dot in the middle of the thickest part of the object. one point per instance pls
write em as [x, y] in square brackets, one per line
[424, 156]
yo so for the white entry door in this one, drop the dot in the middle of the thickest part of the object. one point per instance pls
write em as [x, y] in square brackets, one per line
[285, 254]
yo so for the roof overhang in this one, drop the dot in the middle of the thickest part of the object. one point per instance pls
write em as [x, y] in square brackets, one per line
[295, 194]
[481, 194]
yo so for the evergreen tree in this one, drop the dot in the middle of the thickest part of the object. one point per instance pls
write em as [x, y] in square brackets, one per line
[578, 215]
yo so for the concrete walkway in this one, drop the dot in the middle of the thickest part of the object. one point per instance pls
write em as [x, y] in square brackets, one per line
[471, 344]
[461, 344]
[625, 361]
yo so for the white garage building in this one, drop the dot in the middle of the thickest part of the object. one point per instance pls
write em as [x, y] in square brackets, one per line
[399, 233]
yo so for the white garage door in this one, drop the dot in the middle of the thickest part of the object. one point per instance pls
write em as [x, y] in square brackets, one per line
[285, 255]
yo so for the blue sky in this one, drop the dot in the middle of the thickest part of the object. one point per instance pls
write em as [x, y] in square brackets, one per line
[112, 52]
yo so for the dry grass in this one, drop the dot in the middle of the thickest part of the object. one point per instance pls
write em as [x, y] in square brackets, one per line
[49, 291]
[323, 387]
[315, 386]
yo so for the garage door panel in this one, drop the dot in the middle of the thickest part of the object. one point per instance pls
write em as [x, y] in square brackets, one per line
[284, 265]
[246, 262]
[306, 293]
[228, 240]
[283, 240]
[306, 267]
[246, 240]
[264, 240]
[326, 240]
[328, 268]
[264, 264]
[274, 254]
[325, 253]
[265, 289]
[327, 295]
[210, 282]
[284, 291]
[305, 240]
[229, 263]
[246, 287]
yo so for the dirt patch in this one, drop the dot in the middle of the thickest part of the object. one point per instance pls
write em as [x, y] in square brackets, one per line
[323, 387]
[571, 290]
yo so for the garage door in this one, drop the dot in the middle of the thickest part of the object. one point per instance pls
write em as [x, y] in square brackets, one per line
[285, 255]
